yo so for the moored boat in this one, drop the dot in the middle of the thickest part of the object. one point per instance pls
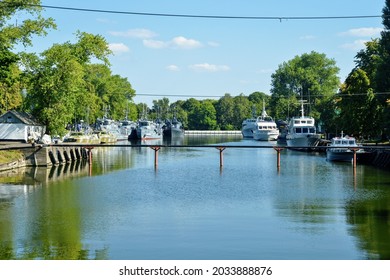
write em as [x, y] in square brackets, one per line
[302, 132]
[148, 130]
[342, 149]
[82, 138]
[266, 129]
[173, 129]
[107, 137]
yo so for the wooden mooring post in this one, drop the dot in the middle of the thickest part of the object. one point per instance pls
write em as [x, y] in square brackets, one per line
[156, 149]
[354, 160]
[278, 149]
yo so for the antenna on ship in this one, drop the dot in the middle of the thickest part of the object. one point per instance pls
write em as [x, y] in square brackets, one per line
[264, 113]
[302, 103]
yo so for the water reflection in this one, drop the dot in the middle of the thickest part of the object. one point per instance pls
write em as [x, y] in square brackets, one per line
[189, 209]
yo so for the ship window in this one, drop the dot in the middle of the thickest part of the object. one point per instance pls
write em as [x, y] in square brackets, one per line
[337, 142]
[310, 122]
[351, 142]
[345, 142]
[297, 122]
[303, 121]
[298, 130]
[305, 130]
[312, 130]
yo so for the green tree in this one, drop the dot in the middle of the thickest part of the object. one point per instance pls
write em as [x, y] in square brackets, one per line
[56, 80]
[110, 93]
[201, 114]
[162, 109]
[206, 115]
[225, 112]
[359, 108]
[382, 81]
[256, 98]
[12, 33]
[242, 110]
[369, 60]
[180, 113]
[311, 76]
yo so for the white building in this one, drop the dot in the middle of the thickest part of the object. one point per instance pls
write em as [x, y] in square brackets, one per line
[20, 126]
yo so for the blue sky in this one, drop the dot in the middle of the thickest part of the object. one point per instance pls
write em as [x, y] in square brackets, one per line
[194, 57]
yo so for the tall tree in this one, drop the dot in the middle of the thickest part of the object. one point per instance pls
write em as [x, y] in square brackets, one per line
[311, 76]
[225, 112]
[56, 80]
[360, 111]
[13, 32]
[242, 110]
[382, 80]
[112, 93]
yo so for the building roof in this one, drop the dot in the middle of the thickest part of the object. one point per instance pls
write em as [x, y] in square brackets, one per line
[23, 117]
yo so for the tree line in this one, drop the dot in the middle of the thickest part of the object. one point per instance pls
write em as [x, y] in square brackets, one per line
[73, 81]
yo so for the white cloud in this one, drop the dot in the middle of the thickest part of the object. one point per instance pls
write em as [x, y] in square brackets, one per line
[355, 45]
[118, 48]
[362, 32]
[264, 71]
[179, 42]
[184, 43]
[307, 37]
[206, 67]
[173, 68]
[139, 33]
[155, 44]
[213, 44]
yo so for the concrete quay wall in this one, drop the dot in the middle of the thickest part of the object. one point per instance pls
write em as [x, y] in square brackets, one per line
[41, 155]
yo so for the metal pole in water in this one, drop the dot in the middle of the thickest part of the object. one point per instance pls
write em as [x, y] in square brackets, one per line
[156, 149]
[221, 149]
[354, 157]
[278, 149]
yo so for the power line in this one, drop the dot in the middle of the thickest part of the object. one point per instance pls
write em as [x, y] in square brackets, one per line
[337, 95]
[280, 18]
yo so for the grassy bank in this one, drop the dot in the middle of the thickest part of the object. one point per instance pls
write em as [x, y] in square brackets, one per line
[10, 156]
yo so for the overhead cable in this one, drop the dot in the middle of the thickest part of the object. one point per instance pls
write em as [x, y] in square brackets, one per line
[280, 18]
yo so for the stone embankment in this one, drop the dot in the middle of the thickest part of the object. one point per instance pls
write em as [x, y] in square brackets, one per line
[42, 155]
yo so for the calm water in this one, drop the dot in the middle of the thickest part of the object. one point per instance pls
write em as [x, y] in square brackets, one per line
[189, 208]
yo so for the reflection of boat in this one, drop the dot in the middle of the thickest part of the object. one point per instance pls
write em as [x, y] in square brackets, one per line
[82, 138]
[173, 128]
[341, 148]
[148, 130]
[266, 129]
[302, 132]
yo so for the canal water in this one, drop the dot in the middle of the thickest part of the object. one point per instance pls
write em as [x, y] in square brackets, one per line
[189, 208]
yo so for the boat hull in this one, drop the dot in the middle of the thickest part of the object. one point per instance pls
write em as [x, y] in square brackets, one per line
[266, 135]
[145, 133]
[343, 156]
[247, 133]
[303, 142]
[174, 132]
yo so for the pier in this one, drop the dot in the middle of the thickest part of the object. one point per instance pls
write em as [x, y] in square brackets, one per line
[57, 154]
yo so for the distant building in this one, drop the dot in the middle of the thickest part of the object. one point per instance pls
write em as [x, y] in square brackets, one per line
[20, 126]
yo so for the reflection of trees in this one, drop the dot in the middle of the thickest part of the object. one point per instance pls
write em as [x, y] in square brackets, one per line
[371, 224]
[51, 225]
